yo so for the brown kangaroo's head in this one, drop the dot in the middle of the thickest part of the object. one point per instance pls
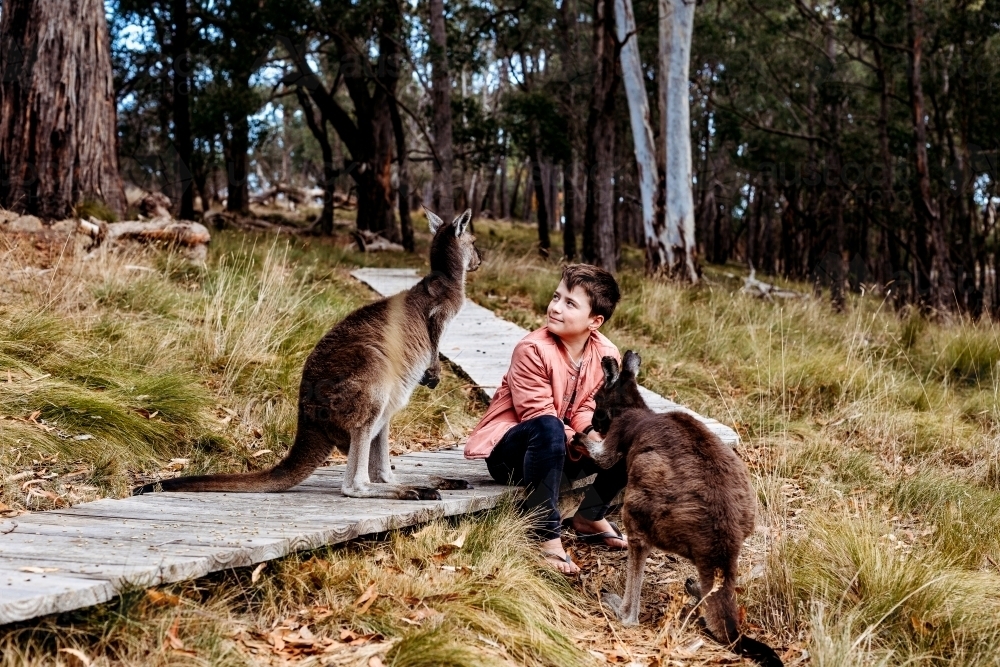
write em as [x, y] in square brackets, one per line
[619, 393]
[454, 245]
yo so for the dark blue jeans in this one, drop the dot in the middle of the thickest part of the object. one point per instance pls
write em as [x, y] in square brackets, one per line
[533, 454]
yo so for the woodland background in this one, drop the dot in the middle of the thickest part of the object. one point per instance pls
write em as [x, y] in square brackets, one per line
[849, 143]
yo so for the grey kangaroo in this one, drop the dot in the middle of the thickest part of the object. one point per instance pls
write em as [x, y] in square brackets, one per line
[688, 493]
[359, 375]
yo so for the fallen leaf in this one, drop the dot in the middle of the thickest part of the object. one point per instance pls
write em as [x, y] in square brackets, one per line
[366, 599]
[423, 613]
[78, 654]
[175, 641]
[375, 661]
[255, 575]
[33, 417]
[162, 599]
[347, 635]
[261, 453]
[277, 640]
[39, 570]
[178, 464]
[459, 541]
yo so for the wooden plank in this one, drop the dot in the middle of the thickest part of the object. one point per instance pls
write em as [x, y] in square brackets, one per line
[26, 595]
[480, 344]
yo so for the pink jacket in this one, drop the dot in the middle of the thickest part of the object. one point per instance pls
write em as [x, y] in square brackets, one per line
[539, 382]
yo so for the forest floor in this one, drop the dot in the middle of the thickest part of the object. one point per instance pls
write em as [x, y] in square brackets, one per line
[873, 439]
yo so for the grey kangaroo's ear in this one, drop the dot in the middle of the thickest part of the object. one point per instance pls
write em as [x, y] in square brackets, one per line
[433, 221]
[610, 367]
[462, 222]
[631, 363]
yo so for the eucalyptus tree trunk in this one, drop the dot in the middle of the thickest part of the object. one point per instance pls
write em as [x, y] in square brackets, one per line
[571, 167]
[936, 287]
[58, 135]
[677, 29]
[444, 204]
[181, 63]
[330, 172]
[598, 221]
[540, 197]
[642, 133]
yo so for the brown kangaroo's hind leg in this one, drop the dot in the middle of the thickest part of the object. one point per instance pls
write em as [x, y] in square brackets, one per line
[721, 612]
[627, 610]
[312, 446]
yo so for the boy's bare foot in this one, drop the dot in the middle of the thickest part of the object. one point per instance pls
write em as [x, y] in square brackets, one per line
[556, 556]
[603, 528]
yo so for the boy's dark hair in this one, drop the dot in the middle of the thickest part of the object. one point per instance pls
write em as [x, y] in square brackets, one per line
[599, 285]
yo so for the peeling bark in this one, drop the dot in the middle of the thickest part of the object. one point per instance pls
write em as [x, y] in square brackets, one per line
[642, 133]
[58, 137]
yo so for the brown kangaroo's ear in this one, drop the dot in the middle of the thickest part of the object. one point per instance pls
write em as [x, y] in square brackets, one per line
[433, 221]
[462, 222]
[610, 367]
[631, 363]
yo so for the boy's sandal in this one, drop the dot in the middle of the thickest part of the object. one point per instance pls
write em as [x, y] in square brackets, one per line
[565, 557]
[595, 538]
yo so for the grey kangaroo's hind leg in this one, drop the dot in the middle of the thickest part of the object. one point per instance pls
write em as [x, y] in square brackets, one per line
[379, 465]
[627, 610]
[361, 463]
[380, 470]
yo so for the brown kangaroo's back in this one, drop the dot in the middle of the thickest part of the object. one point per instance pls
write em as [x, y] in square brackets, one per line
[688, 493]
[358, 375]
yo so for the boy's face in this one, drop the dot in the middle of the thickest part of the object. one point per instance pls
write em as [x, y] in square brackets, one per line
[569, 313]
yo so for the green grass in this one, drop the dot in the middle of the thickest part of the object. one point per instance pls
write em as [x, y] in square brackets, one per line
[873, 438]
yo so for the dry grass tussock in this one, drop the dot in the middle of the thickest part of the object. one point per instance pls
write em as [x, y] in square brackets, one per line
[873, 439]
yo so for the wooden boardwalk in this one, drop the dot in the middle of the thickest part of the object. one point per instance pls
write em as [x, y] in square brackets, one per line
[71, 558]
[66, 559]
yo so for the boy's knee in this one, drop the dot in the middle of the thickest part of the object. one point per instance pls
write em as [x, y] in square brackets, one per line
[552, 432]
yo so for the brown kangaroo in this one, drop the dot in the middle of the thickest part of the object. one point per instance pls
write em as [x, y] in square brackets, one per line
[688, 493]
[359, 375]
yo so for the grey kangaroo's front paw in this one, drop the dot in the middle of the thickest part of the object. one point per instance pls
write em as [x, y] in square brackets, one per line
[432, 376]
[429, 380]
[420, 493]
[450, 484]
[612, 602]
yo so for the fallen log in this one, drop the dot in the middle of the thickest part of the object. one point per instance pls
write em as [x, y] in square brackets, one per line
[763, 290]
[371, 242]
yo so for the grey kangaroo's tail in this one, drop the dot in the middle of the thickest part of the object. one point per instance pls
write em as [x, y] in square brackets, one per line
[307, 454]
[720, 612]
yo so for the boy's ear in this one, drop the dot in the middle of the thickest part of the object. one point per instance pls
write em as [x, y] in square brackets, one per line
[610, 367]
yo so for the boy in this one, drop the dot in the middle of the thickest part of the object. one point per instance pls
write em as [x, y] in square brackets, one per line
[546, 396]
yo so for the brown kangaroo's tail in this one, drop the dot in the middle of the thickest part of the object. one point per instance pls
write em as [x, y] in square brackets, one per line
[721, 613]
[307, 454]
